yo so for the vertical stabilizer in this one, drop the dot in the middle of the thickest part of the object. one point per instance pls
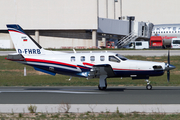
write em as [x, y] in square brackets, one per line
[24, 44]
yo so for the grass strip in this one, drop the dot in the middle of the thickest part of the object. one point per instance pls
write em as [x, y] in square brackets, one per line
[90, 116]
[11, 74]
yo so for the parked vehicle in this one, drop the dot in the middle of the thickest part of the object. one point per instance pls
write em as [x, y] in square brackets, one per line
[110, 44]
[175, 43]
[156, 42]
[138, 45]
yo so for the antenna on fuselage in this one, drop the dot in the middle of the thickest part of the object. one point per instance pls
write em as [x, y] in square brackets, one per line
[74, 50]
[70, 78]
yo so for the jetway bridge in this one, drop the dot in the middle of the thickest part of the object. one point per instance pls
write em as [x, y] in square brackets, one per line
[124, 30]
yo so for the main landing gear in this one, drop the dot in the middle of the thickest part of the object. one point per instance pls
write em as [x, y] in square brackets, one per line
[102, 82]
[148, 86]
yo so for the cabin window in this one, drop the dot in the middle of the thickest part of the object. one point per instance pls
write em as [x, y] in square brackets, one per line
[82, 58]
[169, 31]
[73, 58]
[102, 58]
[166, 31]
[92, 58]
[113, 59]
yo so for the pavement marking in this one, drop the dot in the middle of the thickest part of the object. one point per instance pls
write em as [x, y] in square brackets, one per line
[43, 91]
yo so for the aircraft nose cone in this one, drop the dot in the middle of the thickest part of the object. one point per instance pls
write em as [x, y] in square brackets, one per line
[169, 67]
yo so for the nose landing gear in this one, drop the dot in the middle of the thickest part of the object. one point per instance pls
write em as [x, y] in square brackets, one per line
[148, 86]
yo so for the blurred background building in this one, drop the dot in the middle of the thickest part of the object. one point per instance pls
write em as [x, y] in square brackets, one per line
[85, 23]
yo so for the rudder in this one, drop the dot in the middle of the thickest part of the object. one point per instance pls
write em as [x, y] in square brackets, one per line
[24, 44]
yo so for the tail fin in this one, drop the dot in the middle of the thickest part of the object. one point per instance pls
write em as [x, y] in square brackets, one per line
[24, 44]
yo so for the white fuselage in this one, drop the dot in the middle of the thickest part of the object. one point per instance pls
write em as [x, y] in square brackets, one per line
[80, 64]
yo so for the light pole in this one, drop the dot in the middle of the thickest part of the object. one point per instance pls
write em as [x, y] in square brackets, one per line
[106, 8]
[121, 8]
[115, 8]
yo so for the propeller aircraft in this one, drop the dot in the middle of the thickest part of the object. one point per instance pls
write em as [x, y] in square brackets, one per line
[90, 65]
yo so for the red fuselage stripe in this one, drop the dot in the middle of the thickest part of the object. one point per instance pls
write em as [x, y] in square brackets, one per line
[84, 63]
[54, 62]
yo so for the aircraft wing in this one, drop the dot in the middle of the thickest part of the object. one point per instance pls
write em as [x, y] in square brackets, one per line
[102, 69]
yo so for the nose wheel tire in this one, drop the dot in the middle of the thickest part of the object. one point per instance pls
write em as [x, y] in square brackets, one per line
[149, 87]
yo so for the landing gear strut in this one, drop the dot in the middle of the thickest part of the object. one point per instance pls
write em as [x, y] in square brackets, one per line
[102, 82]
[148, 86]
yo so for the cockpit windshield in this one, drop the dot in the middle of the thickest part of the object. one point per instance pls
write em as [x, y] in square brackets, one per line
[121, 57]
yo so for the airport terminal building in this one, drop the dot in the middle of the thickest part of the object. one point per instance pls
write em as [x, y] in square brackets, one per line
[84, 23]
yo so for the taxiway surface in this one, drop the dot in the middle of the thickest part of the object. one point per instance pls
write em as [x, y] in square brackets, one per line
[89, 95]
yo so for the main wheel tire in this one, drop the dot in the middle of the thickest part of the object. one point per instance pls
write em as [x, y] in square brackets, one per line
[102, 88]
[149, 87]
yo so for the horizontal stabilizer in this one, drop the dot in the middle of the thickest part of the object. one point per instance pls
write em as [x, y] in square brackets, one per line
[45, 71]
[15, 57]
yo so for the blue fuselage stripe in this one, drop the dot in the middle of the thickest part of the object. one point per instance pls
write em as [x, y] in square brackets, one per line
[118, 73]
[138, 73]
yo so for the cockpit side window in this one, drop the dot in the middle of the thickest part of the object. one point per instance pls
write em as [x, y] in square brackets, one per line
[121, 57]
[113, 59]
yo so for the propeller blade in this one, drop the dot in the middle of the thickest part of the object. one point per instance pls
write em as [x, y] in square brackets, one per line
[168, 71]
[169, 67]
[168, 58]
[168, 75]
